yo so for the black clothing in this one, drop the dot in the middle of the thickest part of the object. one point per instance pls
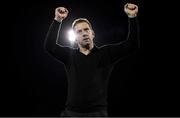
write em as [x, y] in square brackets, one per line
[68, 113]
[88, 74]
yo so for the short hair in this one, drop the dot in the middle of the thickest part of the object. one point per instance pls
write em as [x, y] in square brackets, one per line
[80, 20]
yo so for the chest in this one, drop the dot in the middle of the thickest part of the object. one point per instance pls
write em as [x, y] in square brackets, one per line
[90, 61]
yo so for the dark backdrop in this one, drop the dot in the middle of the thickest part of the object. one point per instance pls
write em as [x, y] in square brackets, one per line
[34, 83]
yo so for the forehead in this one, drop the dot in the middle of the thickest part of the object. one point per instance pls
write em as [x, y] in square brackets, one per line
[81, 25]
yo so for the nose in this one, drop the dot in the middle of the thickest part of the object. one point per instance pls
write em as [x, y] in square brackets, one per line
[84, 34]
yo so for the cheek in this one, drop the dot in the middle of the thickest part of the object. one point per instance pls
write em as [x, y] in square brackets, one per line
[78, 36]
[78, 39]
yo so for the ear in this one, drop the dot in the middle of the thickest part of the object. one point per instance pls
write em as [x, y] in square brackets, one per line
[93, 33]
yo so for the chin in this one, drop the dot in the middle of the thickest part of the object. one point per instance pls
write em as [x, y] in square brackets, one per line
[87, 46]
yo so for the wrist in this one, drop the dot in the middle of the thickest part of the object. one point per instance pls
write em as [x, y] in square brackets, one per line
[132, 16]
[58, 19]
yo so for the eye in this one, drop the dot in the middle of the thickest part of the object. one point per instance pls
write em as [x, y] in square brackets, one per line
[86, 29]
[79, 31]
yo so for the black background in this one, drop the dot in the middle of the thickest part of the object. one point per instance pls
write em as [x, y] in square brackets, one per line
[34, 83]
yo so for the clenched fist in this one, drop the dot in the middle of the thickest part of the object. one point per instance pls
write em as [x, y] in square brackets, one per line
[131, 10]
[60, 14]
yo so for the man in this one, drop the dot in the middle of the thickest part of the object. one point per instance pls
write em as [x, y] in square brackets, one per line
[88, 67]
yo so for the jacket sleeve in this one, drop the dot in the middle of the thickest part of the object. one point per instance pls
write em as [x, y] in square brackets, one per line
[60, 52]
[119, 50]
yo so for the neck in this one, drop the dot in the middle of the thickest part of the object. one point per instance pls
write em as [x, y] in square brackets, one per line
[85, 51]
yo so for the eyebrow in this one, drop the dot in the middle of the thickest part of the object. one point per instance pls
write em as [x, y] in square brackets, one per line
[86, 28]
[83, 29]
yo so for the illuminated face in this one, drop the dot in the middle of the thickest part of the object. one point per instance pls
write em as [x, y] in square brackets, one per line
[84, 35]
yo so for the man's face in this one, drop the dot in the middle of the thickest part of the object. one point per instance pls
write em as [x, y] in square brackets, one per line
[84, 34]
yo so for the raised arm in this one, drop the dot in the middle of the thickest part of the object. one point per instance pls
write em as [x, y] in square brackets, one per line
[62, 53]
[122, 49]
